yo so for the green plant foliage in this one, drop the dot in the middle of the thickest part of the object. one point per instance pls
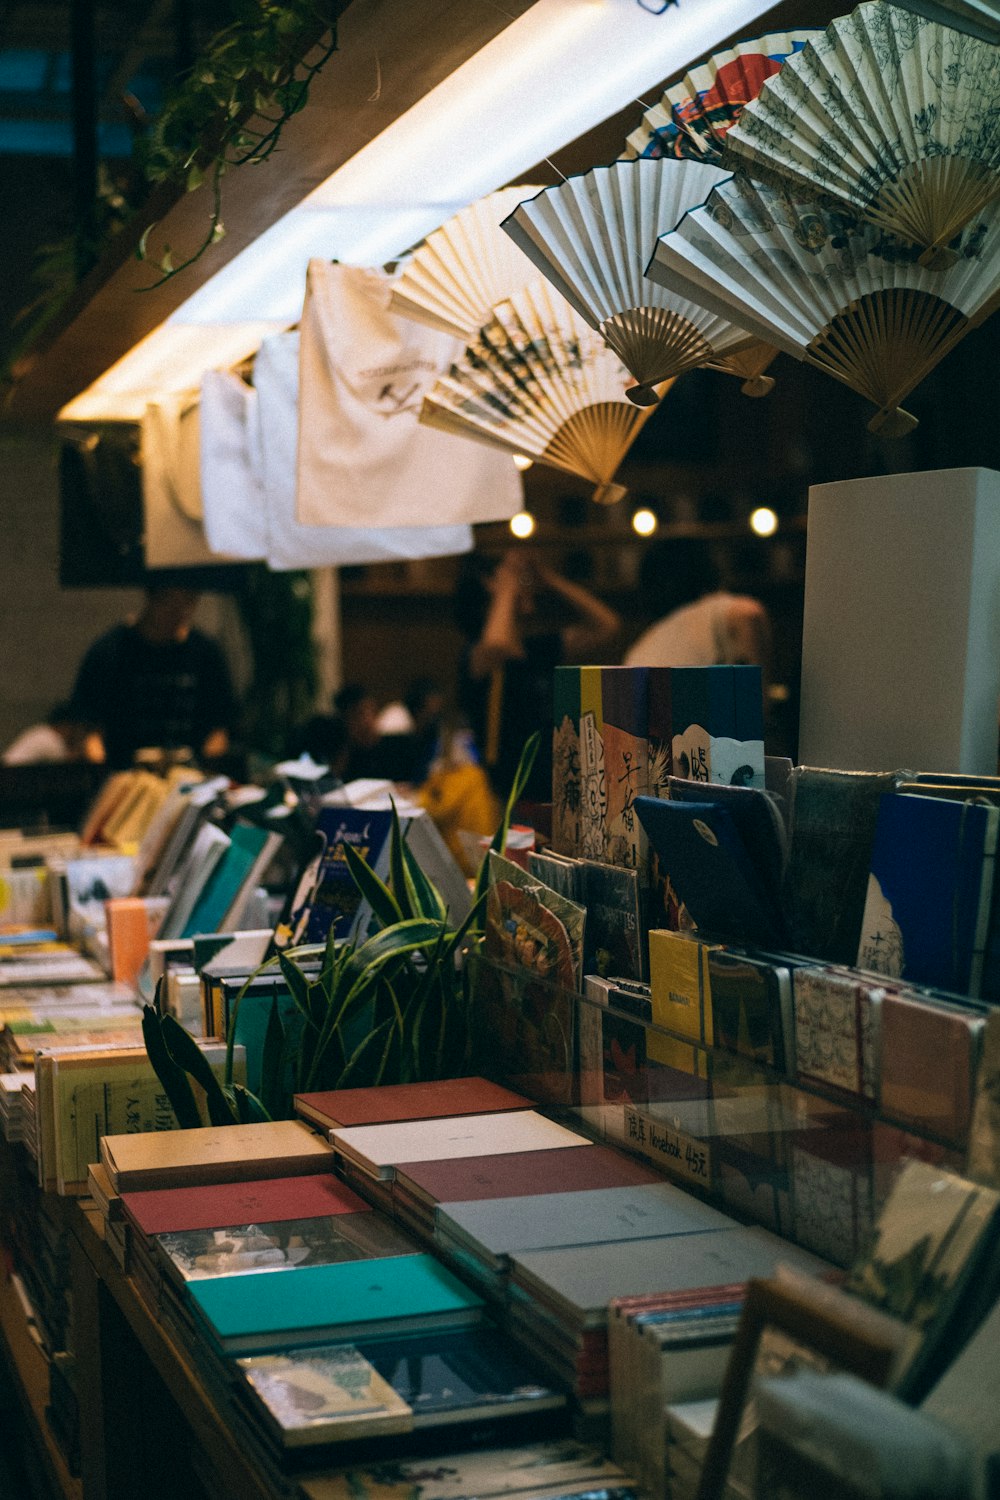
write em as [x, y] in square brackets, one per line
[230, 109]
[392, 1006]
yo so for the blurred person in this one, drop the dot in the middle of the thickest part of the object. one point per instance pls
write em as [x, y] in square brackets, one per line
[62, 737]
[359, 711]
[459, 797]
[509, 665]
[702, 624]
[157, 681]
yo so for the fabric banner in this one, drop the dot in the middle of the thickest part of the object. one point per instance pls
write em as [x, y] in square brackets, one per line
[364, 459]
[292, 544]
[235, 514]
[173, 534]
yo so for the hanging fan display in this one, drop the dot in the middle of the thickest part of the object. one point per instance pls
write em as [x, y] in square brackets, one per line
[591, 237]
[538, 381]
[978, 17]
[892, 115]
[464, 268]
[748, 364]
[693, 116]
[830, 289]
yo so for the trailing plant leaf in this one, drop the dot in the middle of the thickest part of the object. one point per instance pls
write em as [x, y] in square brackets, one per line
[173, 1078]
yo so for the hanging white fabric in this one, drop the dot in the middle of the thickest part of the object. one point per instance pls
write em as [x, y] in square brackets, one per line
[290, 543]
[173, 533]
[235, 516]
[363, 457]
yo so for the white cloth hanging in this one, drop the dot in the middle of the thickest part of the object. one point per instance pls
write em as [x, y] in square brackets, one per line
[173, 532]
[290, 543]
[363, 457]
[235, 516]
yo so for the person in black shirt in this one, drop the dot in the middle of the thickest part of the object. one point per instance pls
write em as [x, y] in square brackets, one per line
[157, 681]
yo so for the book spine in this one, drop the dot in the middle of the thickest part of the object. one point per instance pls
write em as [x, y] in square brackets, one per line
[566, 772]
[593, 781]
[987, 879]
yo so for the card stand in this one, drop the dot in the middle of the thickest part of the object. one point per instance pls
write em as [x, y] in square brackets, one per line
[809, 1162]
[524, 1030]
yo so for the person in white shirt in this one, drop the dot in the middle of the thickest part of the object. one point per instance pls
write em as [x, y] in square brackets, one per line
[61, 738]
[703, 625]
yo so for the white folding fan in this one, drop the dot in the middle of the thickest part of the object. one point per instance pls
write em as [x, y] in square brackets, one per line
[591, 237]
[892, 115]
[978, 17]
[693, 116]
[462, 270]
[538, 381]
[830, 289]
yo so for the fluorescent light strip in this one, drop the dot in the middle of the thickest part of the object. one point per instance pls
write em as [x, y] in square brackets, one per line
[553, 73]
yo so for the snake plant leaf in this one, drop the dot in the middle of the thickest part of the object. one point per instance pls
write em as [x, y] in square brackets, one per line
[365, 1046]
[399, 876]
[298, 984]
[249, 1109]
[405, 937]
[378, 895]
[173, 1078]
[521, 775]
[427, 897]
[272, 1064]
[188, 1055]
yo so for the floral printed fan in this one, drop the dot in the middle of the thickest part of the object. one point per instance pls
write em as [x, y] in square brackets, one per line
[978, 17]
[693, 116]
[538, 381]
[591, 237]
[830, 289]
[891, 114]
[462, 270]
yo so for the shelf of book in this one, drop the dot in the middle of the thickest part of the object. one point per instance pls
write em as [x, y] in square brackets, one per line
[29, 1380]
[144, 1396]
[810, 1161]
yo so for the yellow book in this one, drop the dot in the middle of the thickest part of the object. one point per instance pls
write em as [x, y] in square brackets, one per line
[679, 984]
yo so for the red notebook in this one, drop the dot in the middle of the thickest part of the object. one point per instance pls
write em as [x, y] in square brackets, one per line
[395, 1102]
[520, 1174]
[269, 1201]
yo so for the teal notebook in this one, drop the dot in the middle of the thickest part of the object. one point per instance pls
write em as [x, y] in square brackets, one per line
[224, 884]
[319, 1304]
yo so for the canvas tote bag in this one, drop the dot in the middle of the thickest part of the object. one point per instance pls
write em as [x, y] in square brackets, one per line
[291, 544]
[363, 457]
[235, 515]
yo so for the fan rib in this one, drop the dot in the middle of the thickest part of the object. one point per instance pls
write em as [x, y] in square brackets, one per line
[655, 342]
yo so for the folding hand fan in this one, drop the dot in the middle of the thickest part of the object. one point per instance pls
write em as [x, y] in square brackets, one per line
[538, 381]
[464, 268]
[978, 17]
[693, 116]
[830, 289]
[894, 116]
[748, 364]
[591, 237]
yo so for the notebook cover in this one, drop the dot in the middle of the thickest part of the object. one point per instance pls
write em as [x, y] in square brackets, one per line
[928, 1062]
[297, 1306]
[194, 1254]
[463, 1375]
[566, 761]
[231, 1153]
[580, 1218]
[929, 891]
[522, 1173]
[712, 870]
[269, 1200]
[327, 1394]
[625, 707]
[378, 1148]
[392, 1103]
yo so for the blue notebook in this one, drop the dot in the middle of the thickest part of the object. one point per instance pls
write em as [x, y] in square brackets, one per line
[927, 910]
[317, 1304]
[725, 889]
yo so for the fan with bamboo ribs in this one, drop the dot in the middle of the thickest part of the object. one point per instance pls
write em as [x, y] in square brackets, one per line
[462, 270]
[693, 116]
[831, 289]
[893, 115]
[591, 238]
[538, 381]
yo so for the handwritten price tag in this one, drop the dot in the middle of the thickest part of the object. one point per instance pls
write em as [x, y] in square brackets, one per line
[678, 1155]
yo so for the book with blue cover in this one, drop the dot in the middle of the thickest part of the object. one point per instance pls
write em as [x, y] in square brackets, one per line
[930, 889]
[326, 897]
[699, 845]
[318, 1304]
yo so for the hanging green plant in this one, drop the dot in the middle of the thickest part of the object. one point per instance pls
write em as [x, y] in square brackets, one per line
[231, 108]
